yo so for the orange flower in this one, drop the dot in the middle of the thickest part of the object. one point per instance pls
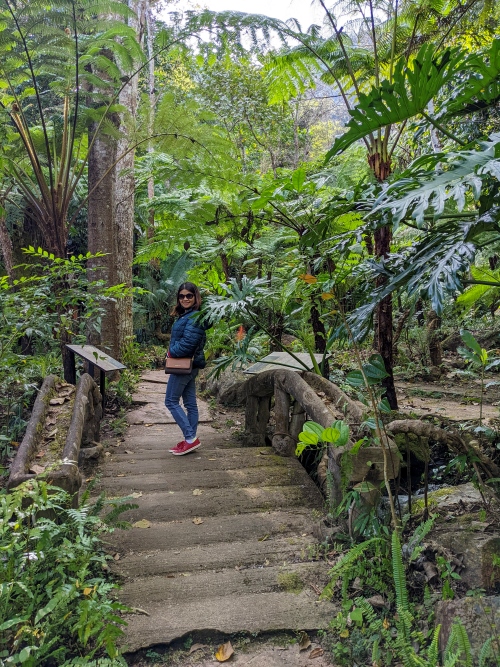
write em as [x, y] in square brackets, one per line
[241, 333]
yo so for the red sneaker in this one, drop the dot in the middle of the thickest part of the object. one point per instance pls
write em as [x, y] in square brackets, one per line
[174, 449]
[186, 447]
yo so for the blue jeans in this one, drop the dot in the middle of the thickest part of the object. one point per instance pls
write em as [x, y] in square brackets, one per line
[183, 386]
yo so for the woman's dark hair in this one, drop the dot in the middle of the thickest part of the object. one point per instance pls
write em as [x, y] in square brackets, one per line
[178, 309]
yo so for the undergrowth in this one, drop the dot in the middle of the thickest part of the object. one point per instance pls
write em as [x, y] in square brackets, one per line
[56, 605]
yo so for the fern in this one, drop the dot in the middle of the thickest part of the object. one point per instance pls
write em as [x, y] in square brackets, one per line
[399, 574]
[486, 651]
[459, 642]
[413, 547]
[344, 565]
[433, 650]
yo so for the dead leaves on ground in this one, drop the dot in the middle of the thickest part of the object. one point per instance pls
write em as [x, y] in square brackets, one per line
[197, 492]
[304, 641]
[316, 653]
[197, 520]
[224, 652]
[143, 523]
[197, 647]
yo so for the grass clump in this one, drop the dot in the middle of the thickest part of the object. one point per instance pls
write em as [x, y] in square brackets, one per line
[290, 582]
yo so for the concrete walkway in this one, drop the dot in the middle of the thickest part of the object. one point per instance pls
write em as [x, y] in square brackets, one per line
[222, 538]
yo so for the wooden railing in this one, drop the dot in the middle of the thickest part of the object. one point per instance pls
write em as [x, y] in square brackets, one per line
[298, 395]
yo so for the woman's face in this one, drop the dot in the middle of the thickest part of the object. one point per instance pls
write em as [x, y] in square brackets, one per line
[186, 298]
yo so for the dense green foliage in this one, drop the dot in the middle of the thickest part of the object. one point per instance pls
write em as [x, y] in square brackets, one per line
[301, 234]
[55, 602]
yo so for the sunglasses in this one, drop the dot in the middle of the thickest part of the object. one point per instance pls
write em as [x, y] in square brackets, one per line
[186, 297]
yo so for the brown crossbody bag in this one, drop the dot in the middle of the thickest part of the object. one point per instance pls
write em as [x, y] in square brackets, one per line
[180, 366]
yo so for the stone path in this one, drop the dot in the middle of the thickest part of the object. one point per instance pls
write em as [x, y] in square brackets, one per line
[221, 539]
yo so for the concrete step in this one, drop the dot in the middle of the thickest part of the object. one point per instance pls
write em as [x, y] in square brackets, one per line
[253, 612]
[178, 481]
[164, 462]
[251, 553]
[186, 587]
[164, 505]
[180, 535]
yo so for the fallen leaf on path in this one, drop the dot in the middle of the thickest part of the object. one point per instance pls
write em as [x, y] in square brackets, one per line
[304, 642]
[137, 494]
[143, 523]
[57, 401]
[51, 434]
[197, 492]
[138, 610]
[263, 539]
[50, 420]
[116, 556]
[224, 652]
[197, 520]
[197, 647]
[148, 425]
[127, 451]
[315, 653]
[40, 455]
[212, 459]
[171, 493]
[121, 474]
[37, 469]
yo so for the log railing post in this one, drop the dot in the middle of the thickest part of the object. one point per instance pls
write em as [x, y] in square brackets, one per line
[282, 441]
[257, 413]
[297, 420]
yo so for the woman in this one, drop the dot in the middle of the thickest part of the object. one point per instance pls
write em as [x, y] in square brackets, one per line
[187, 340]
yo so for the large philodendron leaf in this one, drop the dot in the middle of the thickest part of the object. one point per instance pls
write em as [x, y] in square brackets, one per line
[433, 268]
[407, 95]
[417, 190]
[481, 88]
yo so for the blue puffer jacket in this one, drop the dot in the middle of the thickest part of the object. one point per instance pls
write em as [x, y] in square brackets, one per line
[188, 339]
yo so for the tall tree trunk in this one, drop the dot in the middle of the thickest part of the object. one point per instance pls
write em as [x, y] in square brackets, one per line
[380, 164]
[101, 217]
[111, 211]
[6, 246]
[124, 188]
[384, 320]
[151, 111]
